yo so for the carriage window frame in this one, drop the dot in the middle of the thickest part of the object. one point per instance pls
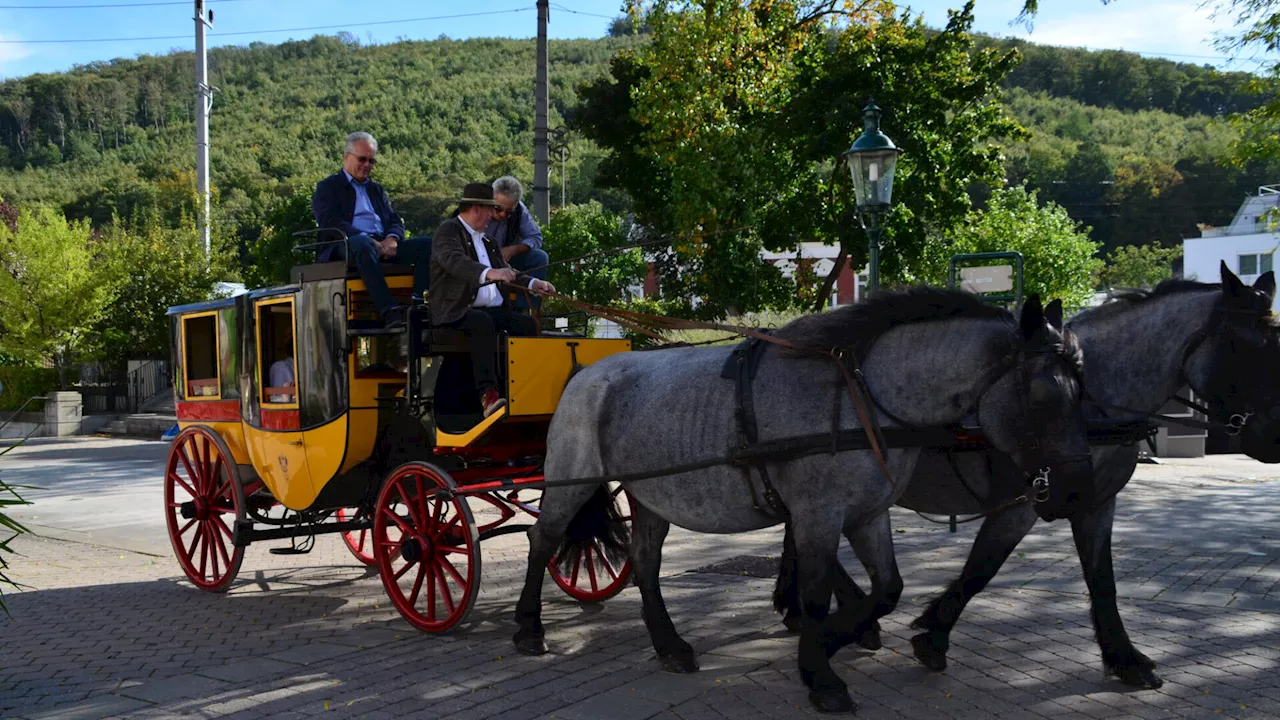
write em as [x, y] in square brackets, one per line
[216, 380]
[263, 369]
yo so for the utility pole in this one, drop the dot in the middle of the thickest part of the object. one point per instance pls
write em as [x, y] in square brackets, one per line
[541, 161]
[204, 103]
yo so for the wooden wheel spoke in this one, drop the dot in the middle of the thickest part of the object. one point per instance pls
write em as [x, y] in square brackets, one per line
[363, 535]
[204, 551]
[604, 560]
[444, 587]
[417, 583]
[404, 527]
[221, 551]
[213, 478]
[453, 550]
[195, 542]
[400, 573]
[591, 570]
[577, 564]
[422, 505]
[178, 479]
[431, 590]
[222, 526]
[200, 463]
[186, 527]
[457, 576]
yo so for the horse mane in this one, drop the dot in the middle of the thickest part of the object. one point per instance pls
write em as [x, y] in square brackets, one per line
[1125, 299]
[856, 327]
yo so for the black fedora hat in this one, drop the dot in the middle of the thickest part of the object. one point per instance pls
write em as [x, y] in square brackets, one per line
[478, 194]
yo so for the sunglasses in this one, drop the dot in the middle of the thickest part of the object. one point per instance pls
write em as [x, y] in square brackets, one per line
[366, 159]
[503, 211]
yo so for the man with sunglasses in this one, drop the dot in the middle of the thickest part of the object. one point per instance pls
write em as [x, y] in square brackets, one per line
[349, 201]
[515, 231]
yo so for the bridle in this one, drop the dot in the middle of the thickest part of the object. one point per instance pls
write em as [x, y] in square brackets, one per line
[1217, 407]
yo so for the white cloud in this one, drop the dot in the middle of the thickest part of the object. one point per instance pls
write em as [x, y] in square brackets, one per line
[1161, 28]
[10, 54]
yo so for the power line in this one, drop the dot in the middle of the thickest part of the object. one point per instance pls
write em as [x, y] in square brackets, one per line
[558, 6]
[90, 7]
[278, 30]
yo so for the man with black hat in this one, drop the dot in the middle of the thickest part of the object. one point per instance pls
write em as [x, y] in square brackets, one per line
[466, 267]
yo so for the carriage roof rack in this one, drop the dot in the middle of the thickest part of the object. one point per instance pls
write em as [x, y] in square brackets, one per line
[339, 237]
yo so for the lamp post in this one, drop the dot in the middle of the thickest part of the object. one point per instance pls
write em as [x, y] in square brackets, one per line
[872, 160]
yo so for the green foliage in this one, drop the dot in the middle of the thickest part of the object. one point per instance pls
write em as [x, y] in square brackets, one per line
[151, 268]
[578, 230]
[1058, 257]
[724, 128]
[9, 497]
[273, 253]
[1138, 266]
[52, 291]
[21, 383]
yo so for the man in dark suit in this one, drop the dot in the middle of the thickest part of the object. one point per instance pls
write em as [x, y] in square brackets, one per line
[349, 201]
[466, 268]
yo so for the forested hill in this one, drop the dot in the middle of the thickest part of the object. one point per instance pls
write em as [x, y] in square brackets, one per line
[1125, 143]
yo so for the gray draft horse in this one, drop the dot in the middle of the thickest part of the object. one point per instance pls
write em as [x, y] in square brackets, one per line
[932, 357]
[1141, 349]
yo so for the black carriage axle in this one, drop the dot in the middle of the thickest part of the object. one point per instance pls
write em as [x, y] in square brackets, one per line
[244, 533]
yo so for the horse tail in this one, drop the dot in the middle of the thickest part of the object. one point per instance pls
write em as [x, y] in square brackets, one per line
[598, 526]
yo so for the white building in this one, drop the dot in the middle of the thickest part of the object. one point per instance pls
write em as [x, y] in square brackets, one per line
[1248, 245]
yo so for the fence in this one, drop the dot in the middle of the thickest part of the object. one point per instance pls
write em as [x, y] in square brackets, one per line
[148, 380]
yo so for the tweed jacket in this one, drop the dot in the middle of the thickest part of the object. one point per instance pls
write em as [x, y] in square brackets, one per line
[455, 271]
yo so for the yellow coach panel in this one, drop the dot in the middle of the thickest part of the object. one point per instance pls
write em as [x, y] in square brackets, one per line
[538, 368]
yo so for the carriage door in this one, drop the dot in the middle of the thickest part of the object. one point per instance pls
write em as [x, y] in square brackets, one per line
[283, 457]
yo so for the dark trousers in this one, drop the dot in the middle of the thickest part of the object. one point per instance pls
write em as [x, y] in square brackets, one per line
[523, 262]
[483, 326]
[414, 251]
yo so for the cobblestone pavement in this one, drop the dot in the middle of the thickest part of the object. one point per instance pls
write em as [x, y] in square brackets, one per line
[103, 632]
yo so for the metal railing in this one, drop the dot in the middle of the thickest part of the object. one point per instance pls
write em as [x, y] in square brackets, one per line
[148, 380]
[18, 412]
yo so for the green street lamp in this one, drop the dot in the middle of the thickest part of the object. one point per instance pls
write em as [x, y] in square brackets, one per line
[872, 160]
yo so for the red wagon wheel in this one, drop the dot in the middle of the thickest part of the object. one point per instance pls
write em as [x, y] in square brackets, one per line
[591, 576]
[359, 542]
[427, 547]
[202, 500]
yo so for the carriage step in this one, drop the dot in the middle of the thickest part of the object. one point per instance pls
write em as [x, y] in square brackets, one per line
[288, 551]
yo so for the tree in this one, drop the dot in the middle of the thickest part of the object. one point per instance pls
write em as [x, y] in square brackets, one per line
[578, 230]
[1136, 266]
[727, 127]
[154, 268]
[1058, 256]
[52, 291]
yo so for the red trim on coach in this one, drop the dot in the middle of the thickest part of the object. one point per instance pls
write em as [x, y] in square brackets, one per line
[209, 411]
[281, 420]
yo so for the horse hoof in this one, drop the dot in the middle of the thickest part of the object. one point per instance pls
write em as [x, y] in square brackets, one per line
[793, 623]
[927, 654]
[832, 701]
[1140, 677]
[682, 664]
[870, 639]
[532, 645]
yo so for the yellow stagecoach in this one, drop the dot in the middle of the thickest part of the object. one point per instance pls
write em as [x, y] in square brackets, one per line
[301, 415]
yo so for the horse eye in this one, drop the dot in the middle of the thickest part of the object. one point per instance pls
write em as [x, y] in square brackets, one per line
[1042, 390]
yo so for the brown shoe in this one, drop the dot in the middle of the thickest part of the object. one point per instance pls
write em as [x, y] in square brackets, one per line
[491, 401]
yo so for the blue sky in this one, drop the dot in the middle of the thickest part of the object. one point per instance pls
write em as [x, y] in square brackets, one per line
[1180, 29]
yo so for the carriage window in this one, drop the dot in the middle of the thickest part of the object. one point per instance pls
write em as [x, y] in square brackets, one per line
[380, 356]
[275, 353]
[200, 334]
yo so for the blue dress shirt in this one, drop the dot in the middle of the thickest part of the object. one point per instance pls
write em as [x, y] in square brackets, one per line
[366, 220]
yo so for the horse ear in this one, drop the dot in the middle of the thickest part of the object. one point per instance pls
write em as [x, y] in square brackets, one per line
[1053, 313]
[1231, 285]
[1032, 317]
[1266, 284]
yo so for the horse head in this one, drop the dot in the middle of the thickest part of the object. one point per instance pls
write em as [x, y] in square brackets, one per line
[1234, 365]
[1033, 412]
